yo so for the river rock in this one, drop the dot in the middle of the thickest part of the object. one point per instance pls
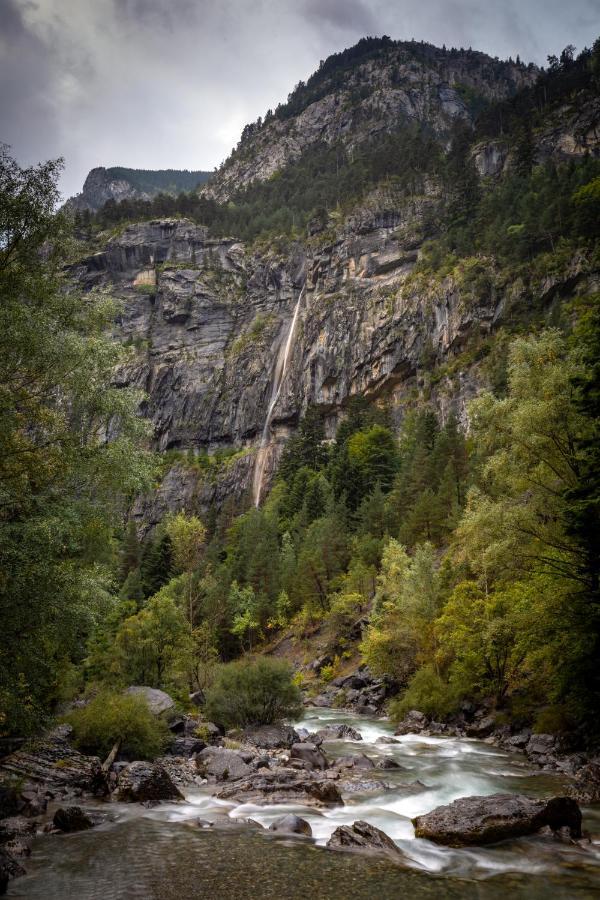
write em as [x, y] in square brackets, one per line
[360, 761]
[9, 868]
[271, 737]
[387, 763]
[16, 827]
[386, 739]
[291, 824]
[486, 820]
[144, 782]
[72, 818]
[310, 754]
[222, 764]
[414, 722]
[338, 732]
[586, 784]
[186, 746]
[159, 702]
[364, 837]
[50, 762]
[481, 728]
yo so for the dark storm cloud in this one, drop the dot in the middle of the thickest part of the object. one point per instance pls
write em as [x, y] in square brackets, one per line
[158, 83]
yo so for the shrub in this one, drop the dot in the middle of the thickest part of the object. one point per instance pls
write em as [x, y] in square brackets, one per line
[426, 692]
[253, 692]
[110, 717]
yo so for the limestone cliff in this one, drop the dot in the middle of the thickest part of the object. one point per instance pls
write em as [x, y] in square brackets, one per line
[205, 316]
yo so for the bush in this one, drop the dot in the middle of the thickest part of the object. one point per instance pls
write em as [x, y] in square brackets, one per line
[253, 692]
[426, 692]
[110, 717]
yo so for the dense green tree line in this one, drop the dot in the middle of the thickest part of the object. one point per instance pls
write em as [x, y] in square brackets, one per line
[63, 481]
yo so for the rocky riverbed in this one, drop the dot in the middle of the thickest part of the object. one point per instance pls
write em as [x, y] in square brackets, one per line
[333, 781]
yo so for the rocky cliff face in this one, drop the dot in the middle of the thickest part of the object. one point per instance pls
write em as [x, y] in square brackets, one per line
[119, 184]
[204, 320]
[402, 84]
[205, 317]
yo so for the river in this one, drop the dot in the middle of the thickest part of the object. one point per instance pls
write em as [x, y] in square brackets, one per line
[161, 853]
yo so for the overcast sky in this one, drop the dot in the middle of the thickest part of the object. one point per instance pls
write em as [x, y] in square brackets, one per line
[171, 83]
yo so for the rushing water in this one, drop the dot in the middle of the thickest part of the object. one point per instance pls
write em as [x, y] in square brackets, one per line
[279, 372]
[161, 854]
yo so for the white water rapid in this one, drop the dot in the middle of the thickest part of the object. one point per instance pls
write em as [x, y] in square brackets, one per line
[165, 852]
[279, 374]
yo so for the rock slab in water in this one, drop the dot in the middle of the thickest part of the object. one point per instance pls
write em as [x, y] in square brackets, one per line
[284, 786]
[339, 732]
[362, 836]
[271, 737]
[144, 782]
[52, 762]
[158, 701]
[485, 820]
[72, 818]
[310, 754]
[291, 824]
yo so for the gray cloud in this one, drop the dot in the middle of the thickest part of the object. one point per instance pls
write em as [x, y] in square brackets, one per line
[153, 84]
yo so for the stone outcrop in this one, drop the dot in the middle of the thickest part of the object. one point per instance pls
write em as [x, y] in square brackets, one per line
[486, 820]
[54, 764]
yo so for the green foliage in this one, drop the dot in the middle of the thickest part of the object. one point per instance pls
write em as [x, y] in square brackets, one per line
[110, 717]
[149, 645]
[253, 692]
[63, 486]
[428, 693]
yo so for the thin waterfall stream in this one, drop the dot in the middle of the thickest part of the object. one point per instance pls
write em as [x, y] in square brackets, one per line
[279, 374]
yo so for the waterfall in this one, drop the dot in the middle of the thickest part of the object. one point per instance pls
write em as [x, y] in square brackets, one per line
[279, 373]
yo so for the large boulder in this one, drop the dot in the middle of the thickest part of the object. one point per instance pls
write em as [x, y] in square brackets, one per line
[159, 702]
[310, 754]
[485, 820]
[364, 837]
[145, 782]
[186, 746]
[222, 764]
[51, 762]
[271, 737]
[586, 784]
[291, 824]
[72, 818]
[414, 722]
